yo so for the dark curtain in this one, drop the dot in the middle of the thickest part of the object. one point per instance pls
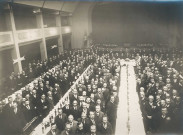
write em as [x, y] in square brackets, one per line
[30, 52]
[66, 41]
[52, 47]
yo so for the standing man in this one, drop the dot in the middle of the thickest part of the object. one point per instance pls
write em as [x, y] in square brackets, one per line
[60, 120]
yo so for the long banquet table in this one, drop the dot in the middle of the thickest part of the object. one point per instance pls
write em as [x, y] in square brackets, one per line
[129, 117]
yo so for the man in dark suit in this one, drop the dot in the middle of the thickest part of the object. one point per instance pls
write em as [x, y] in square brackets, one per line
[75, 110]
[2, 119]
[28, 111]
[26, 91]
[105, 127]
[19, 81]
[11, 82]
[151, 88]
[34, 99]
[43, 106]
[85, 121]
[169, 106]
[111, 110]
[73, 96]
[87, 80]
[47, 86]
[53, 130]
[92, 102]
[41, 90]
[17, 121]
[106, 93]
[98, 115]
[91, 119]
[67, 129]
[89, 90]
[101, 104]
[65, 83]
[84, 109]
[149, 111]
[50, 100]
[67, 108]
[8, 107]
[163, 121]
[56, 94]
[73, 124]
[93, 130]
[60, 120]
[99, 95]
[80, 129]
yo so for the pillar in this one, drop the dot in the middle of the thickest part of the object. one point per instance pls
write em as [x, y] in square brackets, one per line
[60, 40]
[40, 24]
[83, 28]
[15, 53]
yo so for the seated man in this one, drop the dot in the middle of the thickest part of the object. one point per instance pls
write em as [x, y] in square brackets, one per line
[85, 121]
[73, 124]
[80, 129]
[28, 111]
[53, 130]
[105, 127]
[98, 115]
[163, 121]
[93, 130]
[67, 129]
[43, 106]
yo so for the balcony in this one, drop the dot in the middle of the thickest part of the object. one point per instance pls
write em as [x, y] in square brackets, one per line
[66, 30]
[52, 31]
[6, 39]
[28, 35]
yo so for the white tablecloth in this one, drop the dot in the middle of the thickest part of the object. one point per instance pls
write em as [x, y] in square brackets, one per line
[129, 118]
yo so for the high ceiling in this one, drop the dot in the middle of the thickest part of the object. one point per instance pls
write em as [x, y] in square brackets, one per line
[66, 6]
[70, 5]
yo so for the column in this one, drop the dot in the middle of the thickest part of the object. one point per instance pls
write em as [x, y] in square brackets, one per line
[15, 53]
[60, 41]
[40, 24]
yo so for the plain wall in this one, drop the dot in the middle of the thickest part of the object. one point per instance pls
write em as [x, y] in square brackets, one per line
[118, 23]
[24, 17]
[81, 23]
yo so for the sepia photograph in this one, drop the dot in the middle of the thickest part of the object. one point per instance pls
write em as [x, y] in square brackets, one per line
[91, 67]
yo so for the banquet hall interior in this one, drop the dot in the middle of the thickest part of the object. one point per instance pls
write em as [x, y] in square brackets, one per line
[91, 67]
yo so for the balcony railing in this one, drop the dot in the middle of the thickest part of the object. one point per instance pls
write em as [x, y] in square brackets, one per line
[6, 39]
[29, 35]
[66, 29]
[52, 31]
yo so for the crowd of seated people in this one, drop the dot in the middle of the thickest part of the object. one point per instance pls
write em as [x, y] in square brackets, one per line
[92, 105]
[159, 84]
[160, 89]
[36, 68]
[97, 95]
[38, 99]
